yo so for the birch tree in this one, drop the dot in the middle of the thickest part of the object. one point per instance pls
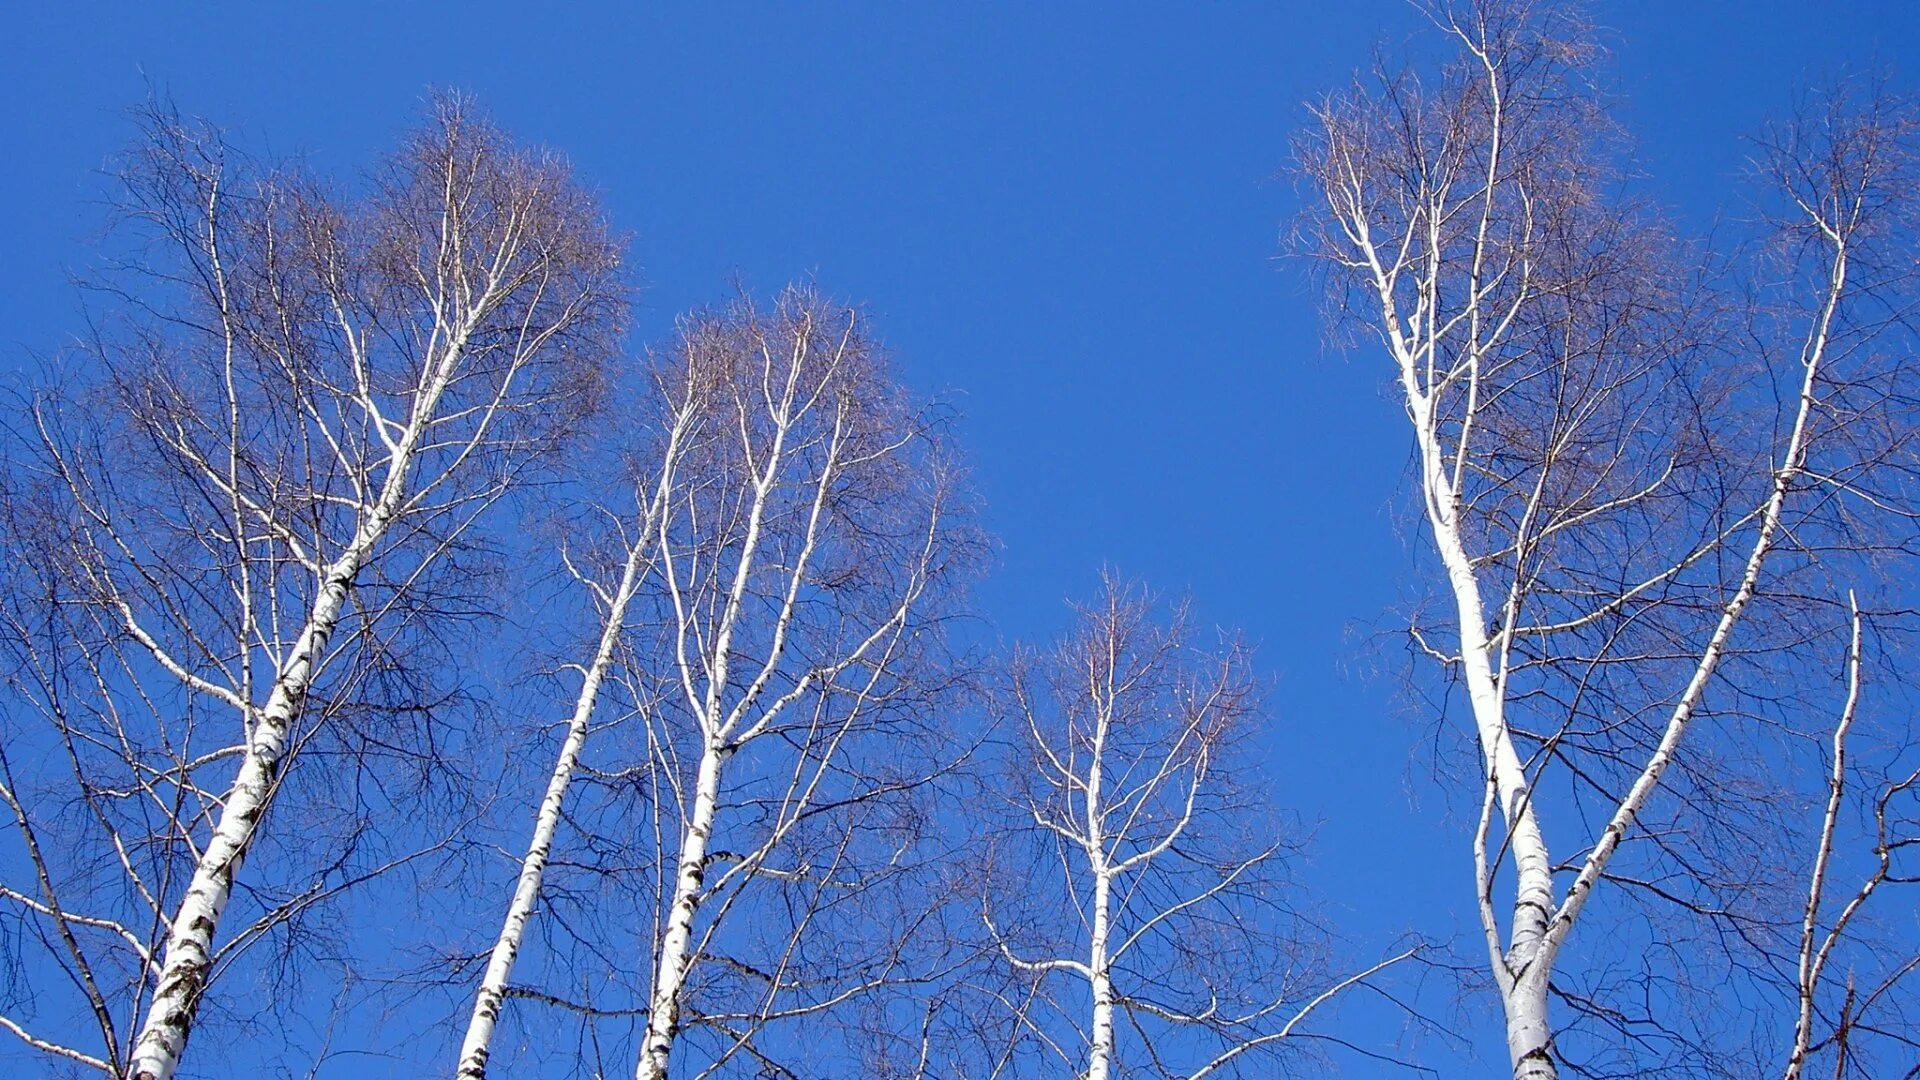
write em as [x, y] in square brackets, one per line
[807, 553]
[1628, 488]
[254, 500]
[1151, 890]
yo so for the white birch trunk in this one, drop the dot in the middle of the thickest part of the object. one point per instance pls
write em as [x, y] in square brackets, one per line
[189, 948]
[478, 1044]
[1100, 1048]
[1453, 304]
[675, 958]
[676, 947]
[795, 406]
[1529, 1035]
[1522, 974]
[1099, 975]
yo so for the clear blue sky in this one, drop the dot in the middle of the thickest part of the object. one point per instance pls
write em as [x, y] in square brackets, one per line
[1064, 219]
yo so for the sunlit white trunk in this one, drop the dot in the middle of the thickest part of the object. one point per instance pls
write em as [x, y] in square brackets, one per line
[1813, 958]
[675, 957]
[475, 1050]
[1523, 982]
[1099, 975]
[1100, 1050]
[1522, 974]
[676, 947]
[189, 949]
[1529, 1038]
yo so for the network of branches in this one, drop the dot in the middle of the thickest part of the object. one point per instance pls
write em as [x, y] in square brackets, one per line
[403, 665]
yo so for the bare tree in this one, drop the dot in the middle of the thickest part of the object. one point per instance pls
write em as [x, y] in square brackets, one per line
[1611, 486]
[774, 663]
[803, 564]
[1136, 870]
[249, 508]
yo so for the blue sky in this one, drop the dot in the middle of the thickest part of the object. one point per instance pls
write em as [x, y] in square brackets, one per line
[1066, 221]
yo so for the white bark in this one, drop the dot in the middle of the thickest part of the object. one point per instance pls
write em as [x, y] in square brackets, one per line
[754, 633]
[189, 949]
[310, 388]
[1121, 779]
[1100, 1045]
[675, 956]
[1451, 261]
[478, 1044]
[1529, 1032]
[676, 946]
[1792, 460]
[1519, 976]
[1812, 959]
[1099, 973]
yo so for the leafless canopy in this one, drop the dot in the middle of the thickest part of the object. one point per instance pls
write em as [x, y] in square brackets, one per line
[750, 861]
[240, 527]
[1650, 474]
[1139, 905]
